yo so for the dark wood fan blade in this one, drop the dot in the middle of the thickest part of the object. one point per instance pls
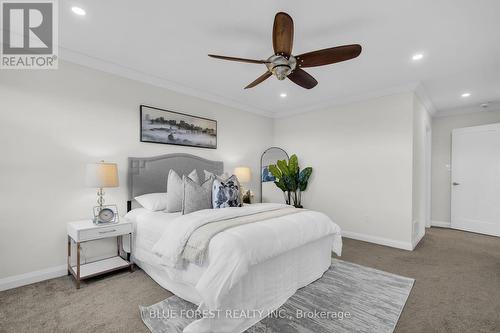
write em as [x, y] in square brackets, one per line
[283, 34]
[260, 79]
[302, 78]
[251, 61]
[328, 56]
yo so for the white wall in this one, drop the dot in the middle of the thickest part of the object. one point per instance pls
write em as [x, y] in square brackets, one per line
[421, 128]
[54, 122]
[441, 158]
[362, 157]
[271, 193]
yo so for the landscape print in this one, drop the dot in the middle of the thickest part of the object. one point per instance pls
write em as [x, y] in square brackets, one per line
[168, 127]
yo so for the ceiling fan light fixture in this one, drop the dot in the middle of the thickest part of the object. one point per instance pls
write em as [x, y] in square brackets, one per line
[283, 64]
[280, 66]
[281, 72]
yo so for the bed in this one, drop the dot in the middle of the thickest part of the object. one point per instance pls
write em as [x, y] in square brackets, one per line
[250, 270]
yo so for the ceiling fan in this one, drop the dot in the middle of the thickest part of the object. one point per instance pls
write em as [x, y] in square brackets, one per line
[284, 65]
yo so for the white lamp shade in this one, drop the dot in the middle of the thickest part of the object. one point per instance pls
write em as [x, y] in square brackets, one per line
[244, 174]
[102, 174]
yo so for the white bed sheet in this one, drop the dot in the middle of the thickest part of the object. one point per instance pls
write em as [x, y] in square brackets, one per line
[265, 287]
[148, 229]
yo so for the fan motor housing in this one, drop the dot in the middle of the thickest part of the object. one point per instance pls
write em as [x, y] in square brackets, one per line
[280, 66]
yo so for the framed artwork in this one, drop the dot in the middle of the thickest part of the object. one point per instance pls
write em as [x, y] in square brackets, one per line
[174, 128]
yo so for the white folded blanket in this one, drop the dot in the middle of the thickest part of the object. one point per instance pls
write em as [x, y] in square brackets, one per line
[232, 251]
[196, 248]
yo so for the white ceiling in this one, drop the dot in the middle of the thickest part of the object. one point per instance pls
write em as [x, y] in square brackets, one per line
[167, 42]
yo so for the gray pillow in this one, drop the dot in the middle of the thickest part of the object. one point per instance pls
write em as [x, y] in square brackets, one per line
[226, 193]
[175, 190]
[196, 197]
[209, 174]
[194, 176]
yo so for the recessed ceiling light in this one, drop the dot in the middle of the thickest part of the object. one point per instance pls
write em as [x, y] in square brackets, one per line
[465, 95]
[283, 95]
[417, 57]
[78, 11]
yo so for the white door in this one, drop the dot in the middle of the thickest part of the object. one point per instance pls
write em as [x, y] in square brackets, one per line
[475, 188]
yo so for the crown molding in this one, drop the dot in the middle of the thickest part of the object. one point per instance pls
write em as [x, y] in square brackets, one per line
[404, 88]
[132, 74]
[422, 95]
[110, 67]
[492, 107]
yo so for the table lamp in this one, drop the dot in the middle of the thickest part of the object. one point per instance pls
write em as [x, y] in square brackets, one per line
[102, 175]
[244, 175]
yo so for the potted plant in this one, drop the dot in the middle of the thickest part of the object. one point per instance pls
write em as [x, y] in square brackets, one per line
[291, 180]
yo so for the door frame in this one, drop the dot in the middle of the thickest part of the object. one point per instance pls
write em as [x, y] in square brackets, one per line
[428, 175]
[470, 129]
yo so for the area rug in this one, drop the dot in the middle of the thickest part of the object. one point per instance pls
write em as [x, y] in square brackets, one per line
[348, 298]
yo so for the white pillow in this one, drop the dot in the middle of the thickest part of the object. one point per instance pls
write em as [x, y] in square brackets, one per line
[153, 201]
[175, 189]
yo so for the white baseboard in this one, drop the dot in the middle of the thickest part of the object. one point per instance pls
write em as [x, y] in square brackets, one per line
[32, 277]
[417, 240]
[58, 271]
[378, 240]
[441, 224]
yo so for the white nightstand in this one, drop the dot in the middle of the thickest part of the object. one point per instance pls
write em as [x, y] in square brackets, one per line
[85, 231]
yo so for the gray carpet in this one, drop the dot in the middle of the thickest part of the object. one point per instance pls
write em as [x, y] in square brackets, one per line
[456, 290]
[457, 275]
[353, 298]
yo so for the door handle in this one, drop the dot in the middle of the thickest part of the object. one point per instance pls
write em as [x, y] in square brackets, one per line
[456, 184]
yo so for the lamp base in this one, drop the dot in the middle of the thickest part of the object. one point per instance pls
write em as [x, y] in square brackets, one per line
[247, 196]
[100, 197]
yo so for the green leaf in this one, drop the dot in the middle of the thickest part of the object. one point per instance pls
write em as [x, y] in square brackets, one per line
[289, 177]
[304, 178]
[282, 165]
[290, 183]
[293, 164]
[275, 171]
[281, 185]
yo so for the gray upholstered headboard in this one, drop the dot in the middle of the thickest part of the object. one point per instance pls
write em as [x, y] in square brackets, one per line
[149, 174]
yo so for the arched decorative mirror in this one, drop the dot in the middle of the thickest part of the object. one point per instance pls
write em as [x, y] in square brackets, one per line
[268, 190]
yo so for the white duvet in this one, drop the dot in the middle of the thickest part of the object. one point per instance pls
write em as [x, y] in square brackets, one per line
[233, 251]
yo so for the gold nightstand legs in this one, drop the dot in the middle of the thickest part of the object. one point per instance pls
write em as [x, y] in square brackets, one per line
[69, 255]
[70, 269]
[77, 265]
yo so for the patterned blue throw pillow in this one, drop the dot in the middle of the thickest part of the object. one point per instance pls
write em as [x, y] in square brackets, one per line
[226, 193]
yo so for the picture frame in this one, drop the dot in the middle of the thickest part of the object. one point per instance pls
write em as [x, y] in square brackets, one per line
[175, 128]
